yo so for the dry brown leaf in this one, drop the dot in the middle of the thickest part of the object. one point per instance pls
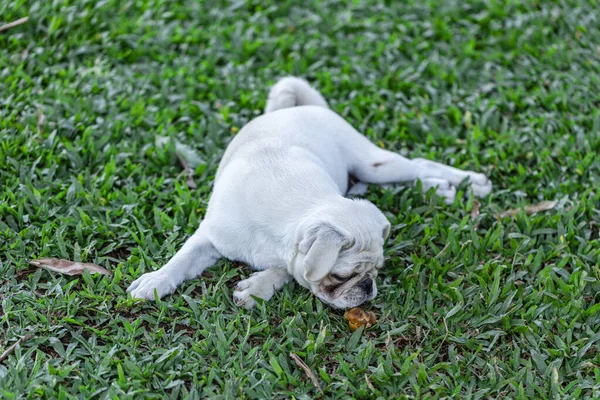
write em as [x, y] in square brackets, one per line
[475, 209]
[68, 267]
[307, 371]
[530, 209]
[475, 212]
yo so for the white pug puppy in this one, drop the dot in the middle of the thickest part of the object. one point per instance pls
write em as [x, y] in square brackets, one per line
[278, 205]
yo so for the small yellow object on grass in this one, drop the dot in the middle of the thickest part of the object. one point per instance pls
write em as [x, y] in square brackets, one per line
[358, 317]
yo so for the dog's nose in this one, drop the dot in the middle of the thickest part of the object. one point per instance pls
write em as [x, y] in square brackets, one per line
[367, 285]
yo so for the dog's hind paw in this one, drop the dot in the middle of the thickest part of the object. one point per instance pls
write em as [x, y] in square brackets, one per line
[481, 186]
[443, 188]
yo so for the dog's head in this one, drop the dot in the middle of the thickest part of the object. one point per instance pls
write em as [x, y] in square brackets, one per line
[340, 251]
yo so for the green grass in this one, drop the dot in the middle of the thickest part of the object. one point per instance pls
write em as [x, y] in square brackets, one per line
[511, 89]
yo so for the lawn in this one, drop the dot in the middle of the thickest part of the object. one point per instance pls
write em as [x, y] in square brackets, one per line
[470, 306]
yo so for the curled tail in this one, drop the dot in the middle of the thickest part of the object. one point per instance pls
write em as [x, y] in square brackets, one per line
[292, 92]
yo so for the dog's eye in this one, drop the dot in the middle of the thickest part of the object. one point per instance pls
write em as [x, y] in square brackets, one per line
[341, 278]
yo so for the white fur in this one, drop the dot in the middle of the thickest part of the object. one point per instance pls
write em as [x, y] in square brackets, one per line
[278, 203]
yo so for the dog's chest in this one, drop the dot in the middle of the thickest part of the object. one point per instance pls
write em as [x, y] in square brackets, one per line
[260, 257]
[251, 246]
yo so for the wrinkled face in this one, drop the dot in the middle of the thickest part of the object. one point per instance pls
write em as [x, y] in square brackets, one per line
[346, 287]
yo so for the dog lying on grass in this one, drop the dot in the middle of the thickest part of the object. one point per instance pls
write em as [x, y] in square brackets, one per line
[279, 205]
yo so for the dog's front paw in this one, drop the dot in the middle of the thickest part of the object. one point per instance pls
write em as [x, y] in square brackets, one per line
[253, 286]
[144, 286]
[242, 295]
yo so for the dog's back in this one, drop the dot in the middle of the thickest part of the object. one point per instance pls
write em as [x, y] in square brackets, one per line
[296, 116]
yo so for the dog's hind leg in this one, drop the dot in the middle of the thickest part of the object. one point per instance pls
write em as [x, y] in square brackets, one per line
[261, 284]
[371, 164]
[197, 254]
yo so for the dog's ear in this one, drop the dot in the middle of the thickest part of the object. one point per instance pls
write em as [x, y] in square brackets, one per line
[321, 247]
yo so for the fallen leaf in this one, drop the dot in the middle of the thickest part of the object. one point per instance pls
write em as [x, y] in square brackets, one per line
[530, 209]
[475, 209]
[68, 267]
